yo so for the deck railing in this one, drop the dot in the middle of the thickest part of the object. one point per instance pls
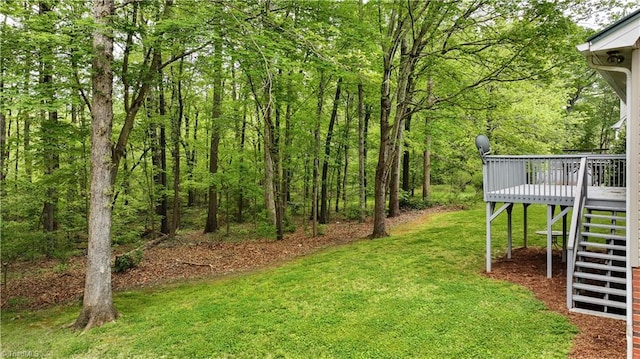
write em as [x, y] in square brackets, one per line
[547, 179]
[574, 229]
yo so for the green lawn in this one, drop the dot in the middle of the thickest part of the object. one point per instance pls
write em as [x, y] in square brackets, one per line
[416, 294]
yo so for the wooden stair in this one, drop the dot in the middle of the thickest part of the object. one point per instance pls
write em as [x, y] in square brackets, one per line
[599, 275]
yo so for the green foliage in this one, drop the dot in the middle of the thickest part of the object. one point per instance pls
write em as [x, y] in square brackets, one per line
[265, 230]
[127, 261]
[412, 203]
[352, 213]
[20, 242]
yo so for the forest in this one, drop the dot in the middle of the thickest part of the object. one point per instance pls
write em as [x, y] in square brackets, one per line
[275, 114]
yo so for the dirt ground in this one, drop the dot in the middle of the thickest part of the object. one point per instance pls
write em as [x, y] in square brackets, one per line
[192, 256]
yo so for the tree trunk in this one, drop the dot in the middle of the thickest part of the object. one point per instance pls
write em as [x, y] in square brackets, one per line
[382, 172]
[190, 155]
[241, 199]
[4, 152]
[426, 166]
[406, 160]
[269, 195]
[175, 154]
[240, 123]
[216, 114]
[426, 174]
[3, 145]
[288, 142]
[324, 215]
[361, 155]
[159, 159]
[347, 129]
[316, 156]
[26, 146]
[212, 208]
[274, 150]
[51, 158]
[97, 304]
[394, 180]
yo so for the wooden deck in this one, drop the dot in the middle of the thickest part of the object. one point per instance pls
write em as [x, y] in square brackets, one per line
[554, 181]
[553, 194]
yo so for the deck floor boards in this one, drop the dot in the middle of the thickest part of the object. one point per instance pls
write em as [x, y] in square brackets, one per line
[553, 194]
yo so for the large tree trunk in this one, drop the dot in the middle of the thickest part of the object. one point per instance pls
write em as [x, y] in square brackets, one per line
[381, 177]
[324, 212]
[384, 152]
[399, 30]
[97, 304]
[404, 96]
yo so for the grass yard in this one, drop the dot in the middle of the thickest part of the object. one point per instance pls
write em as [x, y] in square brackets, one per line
[417, 294]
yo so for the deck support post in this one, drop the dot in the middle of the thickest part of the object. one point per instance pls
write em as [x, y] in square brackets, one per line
[492, 213]
[509, 231]
[550, 210]
[490, 207]
[525, 205]
[564, 233]
[551, 219]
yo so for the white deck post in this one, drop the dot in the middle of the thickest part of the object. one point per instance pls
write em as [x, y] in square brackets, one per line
[550, 209]
[564, 234]
[488, 254]
[525, 205]
[509, 231]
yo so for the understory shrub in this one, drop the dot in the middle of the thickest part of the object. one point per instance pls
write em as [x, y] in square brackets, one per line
[127, 261]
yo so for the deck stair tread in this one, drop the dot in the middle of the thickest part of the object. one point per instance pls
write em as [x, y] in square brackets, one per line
[600, 289]
[603, 267]
[600, 277]
[599, 313]
[604, 226]
[603, 246]
[600, 301]
[616, 237]
[595, 207]
[599, 255]
[605, 216]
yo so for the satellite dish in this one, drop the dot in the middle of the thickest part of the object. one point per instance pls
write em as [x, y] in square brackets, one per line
[482, 144]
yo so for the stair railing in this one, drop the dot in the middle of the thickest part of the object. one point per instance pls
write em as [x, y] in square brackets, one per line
[574, 229]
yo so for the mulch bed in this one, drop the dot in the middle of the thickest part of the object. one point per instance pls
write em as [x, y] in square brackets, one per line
[193, 256]
[599, 337]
